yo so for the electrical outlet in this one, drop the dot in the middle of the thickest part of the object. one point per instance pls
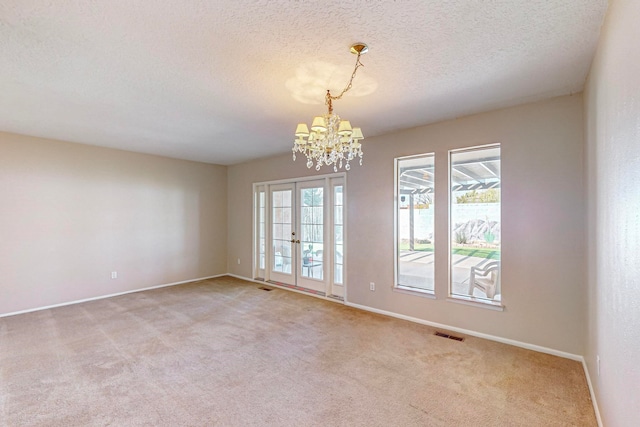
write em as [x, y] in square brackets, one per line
[114, 274]
[238, 261]
[598, 364]
[372, 286]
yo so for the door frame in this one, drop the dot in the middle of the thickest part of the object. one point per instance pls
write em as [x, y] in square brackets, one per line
[332, 290]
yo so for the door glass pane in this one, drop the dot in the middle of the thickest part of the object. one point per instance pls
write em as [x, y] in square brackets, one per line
[475, 223]
[311, 233]
[338, 229]
[281, 231]
[415, 222]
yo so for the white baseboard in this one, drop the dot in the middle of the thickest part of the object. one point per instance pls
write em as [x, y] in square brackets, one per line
[30, 310]
[275, 285]
[472, 333]
[592, 392]
[521, 344]
[528, 346]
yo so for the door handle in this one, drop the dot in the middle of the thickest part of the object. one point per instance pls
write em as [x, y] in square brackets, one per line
[295, 241]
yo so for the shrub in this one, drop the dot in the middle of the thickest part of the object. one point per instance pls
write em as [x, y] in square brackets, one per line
[461, 237]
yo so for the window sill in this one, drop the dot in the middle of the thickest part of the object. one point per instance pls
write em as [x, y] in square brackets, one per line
[414, 291]
[477, 302]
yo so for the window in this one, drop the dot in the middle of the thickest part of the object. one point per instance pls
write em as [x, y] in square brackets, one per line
[474, 210]
[415, 223]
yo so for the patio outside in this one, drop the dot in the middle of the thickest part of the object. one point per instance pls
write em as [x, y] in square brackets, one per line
[475, 219]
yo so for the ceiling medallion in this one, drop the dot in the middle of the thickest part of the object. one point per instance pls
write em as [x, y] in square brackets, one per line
[332, 141]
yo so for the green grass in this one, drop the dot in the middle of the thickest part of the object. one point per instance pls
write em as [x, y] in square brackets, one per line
[464, 251]
[478, 252]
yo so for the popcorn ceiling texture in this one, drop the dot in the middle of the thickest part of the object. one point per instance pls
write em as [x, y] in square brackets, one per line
[212, 80]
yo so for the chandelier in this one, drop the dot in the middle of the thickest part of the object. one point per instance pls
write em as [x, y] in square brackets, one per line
[332, 141]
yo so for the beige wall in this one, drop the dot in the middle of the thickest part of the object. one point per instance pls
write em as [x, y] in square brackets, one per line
[240, 180]
[612, 111]
[543, 221]
[71, 214]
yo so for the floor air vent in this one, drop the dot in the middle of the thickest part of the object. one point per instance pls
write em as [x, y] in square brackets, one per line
[264, 288]
[451, 337]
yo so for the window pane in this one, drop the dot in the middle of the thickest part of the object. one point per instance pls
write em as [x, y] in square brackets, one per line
[338, 234]
[277, 215]
[277, 231]
[475, 223]
[286, 215]
[312, 229]
[281, 231]
[338, 273]
[338, 195]
[338, 215]
[277, 199]
[415, 222]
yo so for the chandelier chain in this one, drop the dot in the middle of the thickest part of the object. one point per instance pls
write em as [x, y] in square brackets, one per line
[346, 89]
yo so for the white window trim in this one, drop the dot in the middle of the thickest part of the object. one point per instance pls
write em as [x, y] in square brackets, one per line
[476, 302]
[409, 290]
[464, 299]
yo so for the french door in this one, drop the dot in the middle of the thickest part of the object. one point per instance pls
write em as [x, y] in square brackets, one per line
[282, 236]
[299, 234]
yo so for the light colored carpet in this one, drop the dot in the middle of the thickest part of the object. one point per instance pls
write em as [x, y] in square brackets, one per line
[223, 352]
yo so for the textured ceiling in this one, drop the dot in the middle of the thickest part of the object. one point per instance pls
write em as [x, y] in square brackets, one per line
[224, 81]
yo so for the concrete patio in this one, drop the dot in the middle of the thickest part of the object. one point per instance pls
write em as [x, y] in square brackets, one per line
[416, 270]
